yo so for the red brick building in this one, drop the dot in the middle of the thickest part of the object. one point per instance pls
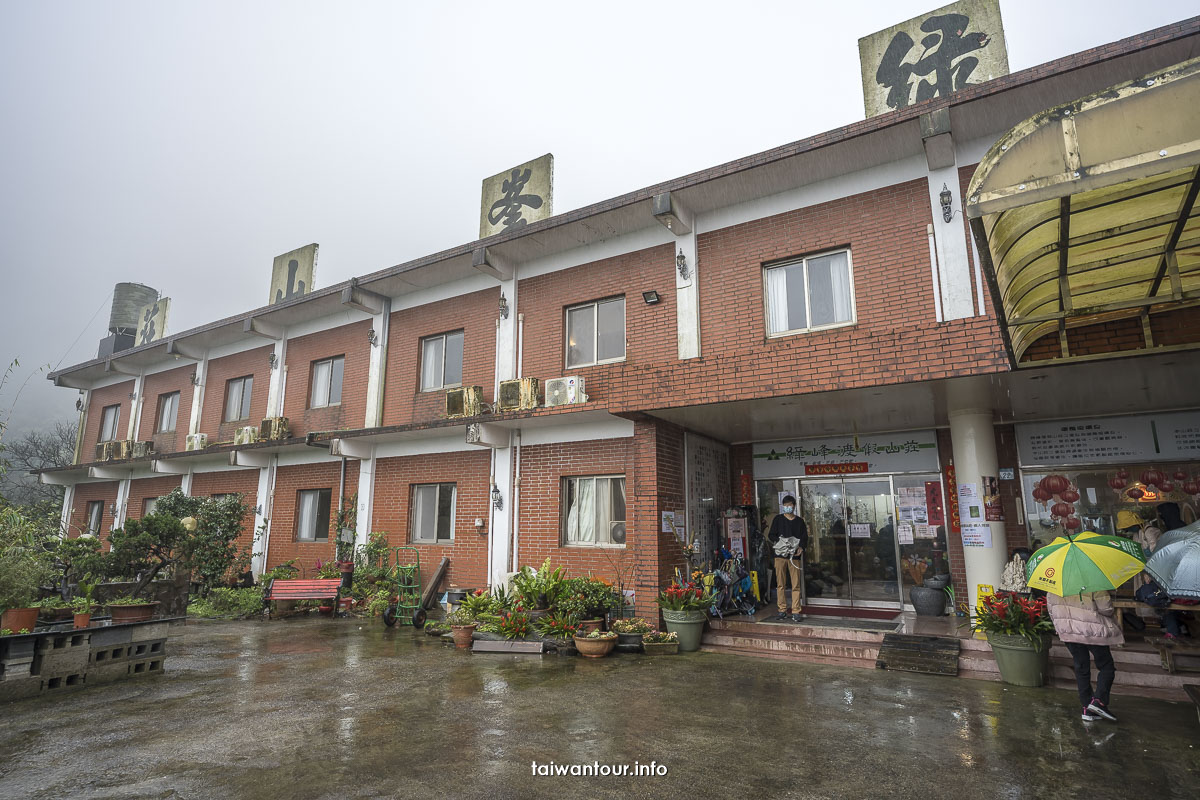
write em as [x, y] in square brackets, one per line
[823, 319]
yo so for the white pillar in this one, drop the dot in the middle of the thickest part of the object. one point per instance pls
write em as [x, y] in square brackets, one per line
[506, 341]
[64, 524]
[380, 323]
[122, 502]
[500, 528]
[135, 409]
[185, 481]
[954, 270]
[366, 498]
[687, 298]
[973, 439]
[262, 517]
[276, 387]
[198, 395]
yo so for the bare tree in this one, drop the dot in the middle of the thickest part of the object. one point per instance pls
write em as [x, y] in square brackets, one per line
[52, 447]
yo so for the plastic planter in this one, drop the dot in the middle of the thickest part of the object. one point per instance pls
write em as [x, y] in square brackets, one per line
[660, 648]
[688, 625]
[139, 612]
[595, 648]
[16, 619]
[1019, 663]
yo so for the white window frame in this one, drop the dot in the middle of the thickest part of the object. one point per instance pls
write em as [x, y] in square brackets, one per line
[312, 382]
[149, 505]
[595, 306]
[315, 538]
[807, 295]
[164, 400]
[241, 396]
[564, 541]
[116, 422]
[93, 525]
[441, 383]
[416, 536]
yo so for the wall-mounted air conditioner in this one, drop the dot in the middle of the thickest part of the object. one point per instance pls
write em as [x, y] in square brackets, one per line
[122, 449]
[567, 391]
[273, 429]
[104, 451]
[141, 449]
[196, 441]
[464, 402]
[245, 435]
[518, 395]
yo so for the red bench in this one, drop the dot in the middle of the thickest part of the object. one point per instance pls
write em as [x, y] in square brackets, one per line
[322, 589]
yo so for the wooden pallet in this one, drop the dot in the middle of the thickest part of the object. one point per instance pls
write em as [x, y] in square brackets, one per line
[933, 655]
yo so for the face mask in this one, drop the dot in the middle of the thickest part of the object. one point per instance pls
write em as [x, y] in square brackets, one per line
[789, 509]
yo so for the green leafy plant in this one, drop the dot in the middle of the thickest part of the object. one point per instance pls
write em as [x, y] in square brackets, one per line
[460, 617]
[212, 551]
[282, 572]
[6, 632]
[379, 602]
[660, 637]
[433, 627]
[631, 625]
[685, 597]
[128, 600]
[50, 603]
[557, 626]
[599, 634]
[82, 605]
[538, 589]
[513, 625]
[25, 564]
[1014, 615]
[587, 598]
[227, 603]
[481, 602]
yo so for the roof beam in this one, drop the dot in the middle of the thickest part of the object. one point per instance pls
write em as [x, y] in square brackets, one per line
[110, 473]
[256, 327]
[251, 458]
[54, 479]
[1064, 251]
[676, 217]
[111, 365]
[169, 466]
[178, 348]
[1168, 264]
[351, 448]
[487, 262]
[363, 299]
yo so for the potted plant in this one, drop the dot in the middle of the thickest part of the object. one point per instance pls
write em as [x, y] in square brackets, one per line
[54, 609]
[683, 609]
[588, 599]
[927, 600]
[513, 625]
[435, 628]
[629, 633]
[538, 591]
[462, 625]
[22, 572]
[131, 609]
[660, 643]
[1018, 629]
[558, 626]
[82, 609]
[596, 644]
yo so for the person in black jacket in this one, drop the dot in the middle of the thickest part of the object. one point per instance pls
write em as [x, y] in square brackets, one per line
[788, 560]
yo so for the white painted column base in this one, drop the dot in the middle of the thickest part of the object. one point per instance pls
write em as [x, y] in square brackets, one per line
[974, 447]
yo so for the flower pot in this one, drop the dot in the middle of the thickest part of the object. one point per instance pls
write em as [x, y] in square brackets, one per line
[937, 582]
[928, 602]
[83, 620]
[16, 619]
[688, 625]
[138, 612]
[325, 611]
[589, 625]
[347, 570]
[56, 614]
[1020, 664]
[595, 648]
[660, 648]
[463, 634]
[629, 642]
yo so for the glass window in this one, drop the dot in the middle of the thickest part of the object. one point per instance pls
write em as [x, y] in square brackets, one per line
[312, 515]
[168, 410]
[108, 423]
[149, 506]
[237, 398]
[814, 292]
[441, 361]
[596, 333]
[433, 513]
[326, 382]
[95, 511]
[594, 511]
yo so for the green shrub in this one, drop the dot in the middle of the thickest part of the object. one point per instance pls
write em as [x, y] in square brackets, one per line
[229, 603]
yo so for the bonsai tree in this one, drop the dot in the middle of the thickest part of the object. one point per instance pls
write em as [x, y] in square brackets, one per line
[145, 547]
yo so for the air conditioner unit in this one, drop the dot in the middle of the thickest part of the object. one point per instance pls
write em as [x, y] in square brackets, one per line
[518, 395]
[141, 449]
[196, 441]
[104, 451]
[464, 402]
[245, 435]
[273, 428]
[566, 391]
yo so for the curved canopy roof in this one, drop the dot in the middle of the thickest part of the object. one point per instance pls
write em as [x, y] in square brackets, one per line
[1089, 208]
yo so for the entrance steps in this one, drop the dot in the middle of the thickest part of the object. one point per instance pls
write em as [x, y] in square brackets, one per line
[1139, 671]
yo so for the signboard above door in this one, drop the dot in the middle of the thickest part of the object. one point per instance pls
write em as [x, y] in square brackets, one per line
[909, 451]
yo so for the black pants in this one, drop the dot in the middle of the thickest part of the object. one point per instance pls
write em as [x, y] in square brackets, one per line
[1105, 671]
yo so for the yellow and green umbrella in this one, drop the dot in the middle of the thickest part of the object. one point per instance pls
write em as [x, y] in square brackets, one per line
[1084, 563]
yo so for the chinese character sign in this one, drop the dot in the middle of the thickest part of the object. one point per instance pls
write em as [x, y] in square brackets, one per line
[517, 196]
[152, 320]
[292, 274]
[932, 55]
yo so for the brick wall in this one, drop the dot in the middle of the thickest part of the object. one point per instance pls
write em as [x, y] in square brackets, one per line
[108, 396]
[243, 481]
[288, 482]
[220, 372]
[475, 314]
[1180, 326]
[105, 492]
[469, 471]
[160, 383]
[349, 341]
[144, 488]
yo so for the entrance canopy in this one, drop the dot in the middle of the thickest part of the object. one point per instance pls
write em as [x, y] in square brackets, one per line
[1087, 211]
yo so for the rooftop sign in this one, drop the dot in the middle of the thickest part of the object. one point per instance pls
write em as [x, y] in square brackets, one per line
[517, 196]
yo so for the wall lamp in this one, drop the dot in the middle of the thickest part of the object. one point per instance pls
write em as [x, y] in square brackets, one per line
[682, 265]
[945, 198]
[271, 359]
[503, 306]
[651, 297]
[497, 500]
[372, 337]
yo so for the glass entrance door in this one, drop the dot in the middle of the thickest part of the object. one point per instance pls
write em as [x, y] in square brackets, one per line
[823, 510]
[872, 541]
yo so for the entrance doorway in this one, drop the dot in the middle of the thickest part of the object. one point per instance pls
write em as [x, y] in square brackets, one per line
[863, 545]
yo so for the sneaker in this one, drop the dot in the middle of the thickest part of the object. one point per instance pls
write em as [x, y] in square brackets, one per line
[780, 617]
[797, 617]
[1096, 707]
[1088, 716]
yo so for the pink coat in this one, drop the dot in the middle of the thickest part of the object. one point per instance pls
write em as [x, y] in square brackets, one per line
[1085, 619]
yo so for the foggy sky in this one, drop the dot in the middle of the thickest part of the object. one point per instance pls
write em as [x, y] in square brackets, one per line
[183, 145]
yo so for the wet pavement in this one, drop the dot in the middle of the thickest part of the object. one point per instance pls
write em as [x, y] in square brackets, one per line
[315, 708]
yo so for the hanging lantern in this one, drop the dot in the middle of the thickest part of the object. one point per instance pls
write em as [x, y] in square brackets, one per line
[1117, 483]
[1123, 474]
[1072, 523]
[1167, 487]
[1191, 487]
[1055, 484]
[1179, 475]
[1153, 477]
[1040, 494]
[1136, 494]
[1062, 510]
[1069, 496]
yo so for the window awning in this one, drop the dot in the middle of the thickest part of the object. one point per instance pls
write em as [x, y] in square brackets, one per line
[1087, 211]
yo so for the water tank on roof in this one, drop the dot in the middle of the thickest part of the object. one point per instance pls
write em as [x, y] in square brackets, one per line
[128, 298]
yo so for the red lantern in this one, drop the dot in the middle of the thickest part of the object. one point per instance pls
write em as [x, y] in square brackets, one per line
[1062, 509]
[1069, 496]
[1179, 475]
[1167, 487]
[1136, 494]
[1055, 484]
[1040, 494]
[1192, 487]
[1153, 477]
[1123, 474]
[1072, 523]
[1117, 483]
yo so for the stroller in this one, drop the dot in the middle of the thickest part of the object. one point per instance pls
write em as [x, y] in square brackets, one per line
[732, 585]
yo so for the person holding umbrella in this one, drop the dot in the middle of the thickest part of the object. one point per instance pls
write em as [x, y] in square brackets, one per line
[1077, 573]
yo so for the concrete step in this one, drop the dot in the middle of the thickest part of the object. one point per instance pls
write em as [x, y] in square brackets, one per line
[807, 658]
[799, 630]
[794, 645]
